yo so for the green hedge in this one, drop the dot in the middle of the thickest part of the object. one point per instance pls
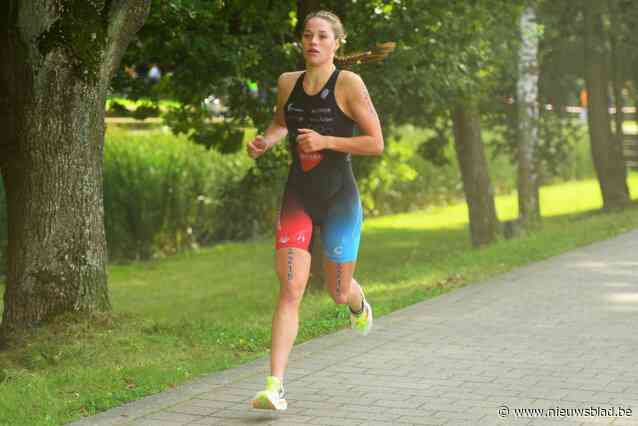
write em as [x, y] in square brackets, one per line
[161, 193]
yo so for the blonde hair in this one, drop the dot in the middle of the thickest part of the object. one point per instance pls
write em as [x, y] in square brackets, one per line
[379, 52]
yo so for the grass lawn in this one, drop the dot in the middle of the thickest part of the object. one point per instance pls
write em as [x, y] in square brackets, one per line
[181, 317]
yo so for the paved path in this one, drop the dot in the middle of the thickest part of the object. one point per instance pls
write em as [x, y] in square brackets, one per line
[561, 333]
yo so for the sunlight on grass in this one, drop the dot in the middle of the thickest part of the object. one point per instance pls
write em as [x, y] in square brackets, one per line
[566, 198]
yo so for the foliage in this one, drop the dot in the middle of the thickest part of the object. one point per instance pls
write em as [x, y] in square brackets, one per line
[161, 194]
[251, 204]
[445, 50]
[215, 48]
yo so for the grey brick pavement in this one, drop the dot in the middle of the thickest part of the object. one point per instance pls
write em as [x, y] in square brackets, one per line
[557, 333]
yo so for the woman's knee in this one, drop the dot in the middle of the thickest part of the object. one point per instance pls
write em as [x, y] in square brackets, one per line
[339, 291]
[291, 292]
[293, 269]
[292, 286]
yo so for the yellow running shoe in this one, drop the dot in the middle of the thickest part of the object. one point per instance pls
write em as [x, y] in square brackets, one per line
[272, 398]
[362, 322]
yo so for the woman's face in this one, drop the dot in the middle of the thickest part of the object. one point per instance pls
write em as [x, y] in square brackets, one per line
[318, 40]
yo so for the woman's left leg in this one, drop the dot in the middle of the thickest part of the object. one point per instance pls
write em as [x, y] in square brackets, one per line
[341, 234]
[342, 286]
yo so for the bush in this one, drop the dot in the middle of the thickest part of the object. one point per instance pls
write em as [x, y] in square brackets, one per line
[405, 179]
[161, 194]
[251, 202]
[117, 109]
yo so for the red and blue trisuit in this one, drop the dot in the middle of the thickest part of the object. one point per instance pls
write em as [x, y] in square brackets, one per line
[321, 188]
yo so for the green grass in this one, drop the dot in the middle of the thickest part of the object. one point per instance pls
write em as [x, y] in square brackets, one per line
[195, 313]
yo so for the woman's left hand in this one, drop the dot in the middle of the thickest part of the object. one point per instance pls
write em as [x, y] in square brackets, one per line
[311, 141]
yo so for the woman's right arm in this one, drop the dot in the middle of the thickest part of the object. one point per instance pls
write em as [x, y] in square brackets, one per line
[277, 128]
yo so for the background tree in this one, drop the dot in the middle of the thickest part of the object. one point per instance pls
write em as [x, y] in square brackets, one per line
[56, 60]
[527, 102]
[445, 63]
[606, 153]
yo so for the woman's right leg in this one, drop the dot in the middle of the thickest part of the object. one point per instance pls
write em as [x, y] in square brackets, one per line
[294, 232]
[293, 270]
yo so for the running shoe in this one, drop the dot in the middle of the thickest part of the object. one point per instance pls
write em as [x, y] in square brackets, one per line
[362, 322]
[272, 398]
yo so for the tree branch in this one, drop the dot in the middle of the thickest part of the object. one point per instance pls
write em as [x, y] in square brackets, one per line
[126, 17]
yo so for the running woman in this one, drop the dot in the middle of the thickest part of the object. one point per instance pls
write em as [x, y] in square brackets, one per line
[318, 109]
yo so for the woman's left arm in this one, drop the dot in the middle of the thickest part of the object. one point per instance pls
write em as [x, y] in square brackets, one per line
[358, 106]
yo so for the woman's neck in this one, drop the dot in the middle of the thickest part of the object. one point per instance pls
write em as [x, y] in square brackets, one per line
[316, 76]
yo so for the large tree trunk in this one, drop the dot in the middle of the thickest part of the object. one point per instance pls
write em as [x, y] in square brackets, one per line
[55, 65]
[606, 152]
[527, 103]
[479, 192]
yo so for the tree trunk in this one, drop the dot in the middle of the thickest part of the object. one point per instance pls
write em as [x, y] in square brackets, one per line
[617, 70]
[527, 94]
[479, 192]
[606, 153]
[55, 66]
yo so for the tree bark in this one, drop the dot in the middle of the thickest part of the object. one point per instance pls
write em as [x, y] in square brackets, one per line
[617, 70]
[606, 152]
[56, 62]
[527, 94]
[477, 186]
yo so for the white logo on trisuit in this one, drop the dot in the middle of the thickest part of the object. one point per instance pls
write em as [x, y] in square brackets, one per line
[324, 93]
[293, 109]
[338, 250]
[284, 239]
[301, 238]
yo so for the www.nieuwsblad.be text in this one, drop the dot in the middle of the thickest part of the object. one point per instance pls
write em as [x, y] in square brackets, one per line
[505, 411]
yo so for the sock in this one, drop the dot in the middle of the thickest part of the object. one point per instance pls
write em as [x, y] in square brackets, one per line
[276, 380]
[359, 311]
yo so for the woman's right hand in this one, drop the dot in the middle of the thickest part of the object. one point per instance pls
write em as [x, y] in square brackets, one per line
[257, 147]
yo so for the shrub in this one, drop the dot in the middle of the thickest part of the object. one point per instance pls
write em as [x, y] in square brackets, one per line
[251, 202]
[161, 194]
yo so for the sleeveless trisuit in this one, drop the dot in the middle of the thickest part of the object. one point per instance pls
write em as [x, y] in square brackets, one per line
[321, 188]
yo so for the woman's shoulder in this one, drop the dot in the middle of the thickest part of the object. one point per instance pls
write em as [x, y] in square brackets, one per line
[289, 78]
[286, 83]
[349, 80]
